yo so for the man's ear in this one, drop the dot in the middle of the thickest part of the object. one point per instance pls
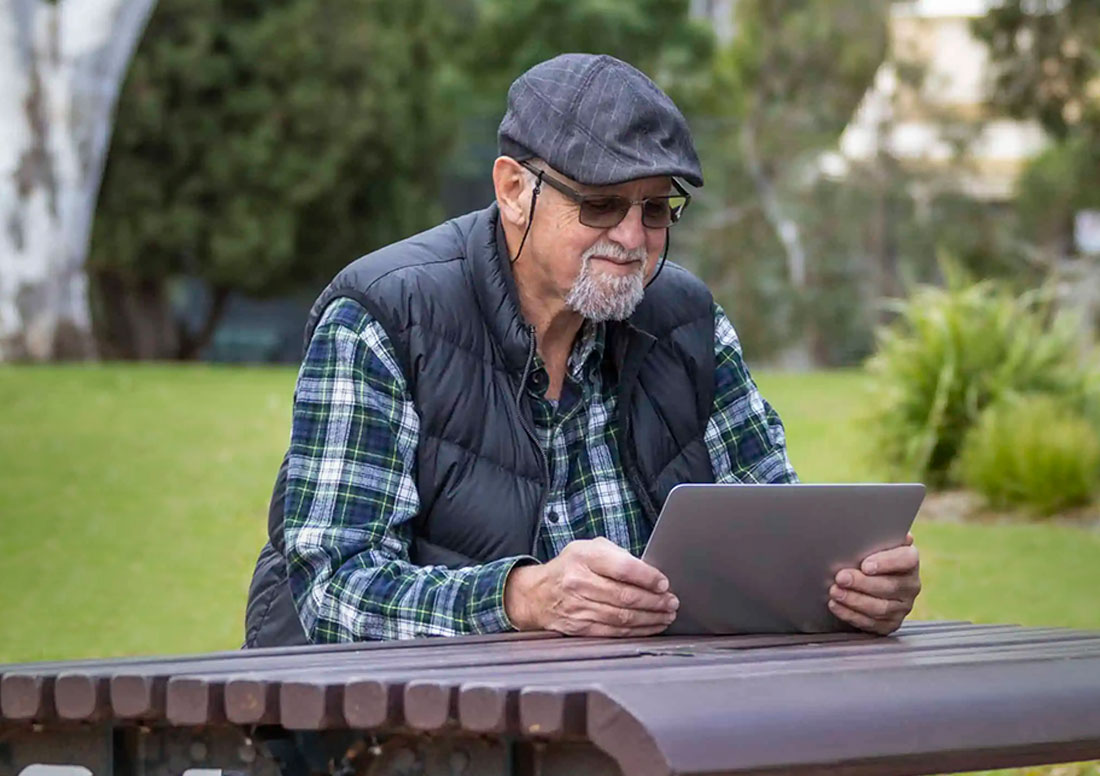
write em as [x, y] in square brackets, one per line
[510, 183]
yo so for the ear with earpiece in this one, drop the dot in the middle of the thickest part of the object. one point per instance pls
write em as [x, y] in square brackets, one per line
[510, 184]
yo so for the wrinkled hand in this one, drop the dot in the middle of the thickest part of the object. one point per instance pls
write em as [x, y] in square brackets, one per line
[878, 595]
[592, 588]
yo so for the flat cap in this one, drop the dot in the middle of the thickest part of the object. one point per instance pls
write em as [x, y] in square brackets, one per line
[597, 120]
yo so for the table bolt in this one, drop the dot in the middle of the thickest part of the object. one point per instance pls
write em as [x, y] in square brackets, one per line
[460, 761]
[197, 751]
[403, 760]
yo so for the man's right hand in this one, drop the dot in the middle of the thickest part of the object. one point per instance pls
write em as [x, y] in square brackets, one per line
[593, 588]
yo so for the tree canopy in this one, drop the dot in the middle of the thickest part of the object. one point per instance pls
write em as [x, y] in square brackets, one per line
[1046, 55]
[260, 146]
[784, 252]
[1046, 59]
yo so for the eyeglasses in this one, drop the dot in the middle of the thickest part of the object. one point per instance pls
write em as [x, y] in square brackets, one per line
[603, 211]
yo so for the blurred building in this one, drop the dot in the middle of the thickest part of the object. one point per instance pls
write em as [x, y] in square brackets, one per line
[927, 105]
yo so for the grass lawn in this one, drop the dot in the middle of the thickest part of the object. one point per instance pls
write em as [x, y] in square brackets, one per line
[133, 502]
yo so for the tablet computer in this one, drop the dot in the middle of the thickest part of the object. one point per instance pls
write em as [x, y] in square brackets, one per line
[761, 558]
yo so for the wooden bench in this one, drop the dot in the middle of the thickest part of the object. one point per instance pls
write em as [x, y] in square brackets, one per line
[936, 697]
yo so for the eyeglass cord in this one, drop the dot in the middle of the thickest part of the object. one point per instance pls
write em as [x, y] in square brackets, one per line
[664, 258]
[530, 217]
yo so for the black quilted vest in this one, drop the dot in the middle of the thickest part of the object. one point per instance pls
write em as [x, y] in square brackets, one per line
[447, 301]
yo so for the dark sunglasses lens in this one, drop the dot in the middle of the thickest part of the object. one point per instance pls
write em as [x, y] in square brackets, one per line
[663, 212]
[606, 212]
[657, 213]
[603, 212]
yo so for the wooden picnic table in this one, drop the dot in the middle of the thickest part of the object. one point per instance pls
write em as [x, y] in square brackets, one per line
[935, 697]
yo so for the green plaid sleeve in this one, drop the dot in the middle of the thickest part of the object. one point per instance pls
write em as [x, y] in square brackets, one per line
[351, 496]
[745, 436]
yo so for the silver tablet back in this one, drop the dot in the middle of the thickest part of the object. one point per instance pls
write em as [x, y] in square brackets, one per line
[761, 558]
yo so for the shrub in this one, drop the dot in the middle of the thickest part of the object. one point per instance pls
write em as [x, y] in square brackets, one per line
[1034, 452]
[954, 351]
[1092, 399]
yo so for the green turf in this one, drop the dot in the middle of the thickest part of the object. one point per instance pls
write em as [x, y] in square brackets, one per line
[820, 412]
[133, 505]
[133, 500]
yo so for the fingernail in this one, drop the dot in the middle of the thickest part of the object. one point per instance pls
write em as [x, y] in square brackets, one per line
[674, 604]
[837, 593]
[845, 578]
[870, 568]
[662, 586]
[832, 604]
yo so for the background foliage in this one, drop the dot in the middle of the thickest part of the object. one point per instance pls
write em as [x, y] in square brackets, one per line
[957, 350]
[1047, 68]
[1047, 65]
[1034, 451]
[261, 146]
[772, 247]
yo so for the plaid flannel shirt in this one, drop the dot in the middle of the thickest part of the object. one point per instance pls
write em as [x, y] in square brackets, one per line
[351, 488]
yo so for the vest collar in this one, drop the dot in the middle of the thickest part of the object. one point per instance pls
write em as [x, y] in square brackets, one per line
[495, 288]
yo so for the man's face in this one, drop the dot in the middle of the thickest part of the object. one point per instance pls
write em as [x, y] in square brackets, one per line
[599, 273]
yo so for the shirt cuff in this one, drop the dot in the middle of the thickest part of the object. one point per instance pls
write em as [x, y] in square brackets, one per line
[485, 608]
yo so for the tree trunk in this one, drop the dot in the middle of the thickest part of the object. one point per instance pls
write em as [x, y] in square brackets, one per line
[63, 64]
[192, 344]
[133, 319]
[785, 228]
[798, 355]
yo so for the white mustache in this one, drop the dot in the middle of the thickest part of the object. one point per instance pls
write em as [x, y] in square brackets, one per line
[613, 250]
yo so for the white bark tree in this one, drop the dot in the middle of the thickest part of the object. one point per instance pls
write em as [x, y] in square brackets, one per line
[61, 67]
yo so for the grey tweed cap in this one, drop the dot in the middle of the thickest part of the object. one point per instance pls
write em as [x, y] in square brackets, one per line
[597, 120]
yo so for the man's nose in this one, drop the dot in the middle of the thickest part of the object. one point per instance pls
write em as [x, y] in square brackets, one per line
[630, 232]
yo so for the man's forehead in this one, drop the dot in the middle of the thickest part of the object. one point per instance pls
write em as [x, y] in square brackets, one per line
[660, 184]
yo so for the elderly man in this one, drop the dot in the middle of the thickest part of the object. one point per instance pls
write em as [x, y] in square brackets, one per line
[490, 414]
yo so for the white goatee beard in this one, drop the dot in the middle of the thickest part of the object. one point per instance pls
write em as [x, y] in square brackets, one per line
[600, 296]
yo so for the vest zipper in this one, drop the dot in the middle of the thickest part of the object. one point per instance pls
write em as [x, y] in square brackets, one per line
[630, 466]
[628, 376]
[534, 437]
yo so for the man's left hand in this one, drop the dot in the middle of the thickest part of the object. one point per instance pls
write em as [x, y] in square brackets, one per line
[878, 595]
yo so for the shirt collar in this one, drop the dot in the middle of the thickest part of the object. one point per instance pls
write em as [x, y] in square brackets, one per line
[587, 350]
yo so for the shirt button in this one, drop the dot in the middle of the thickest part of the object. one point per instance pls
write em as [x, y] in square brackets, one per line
[552, 517]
